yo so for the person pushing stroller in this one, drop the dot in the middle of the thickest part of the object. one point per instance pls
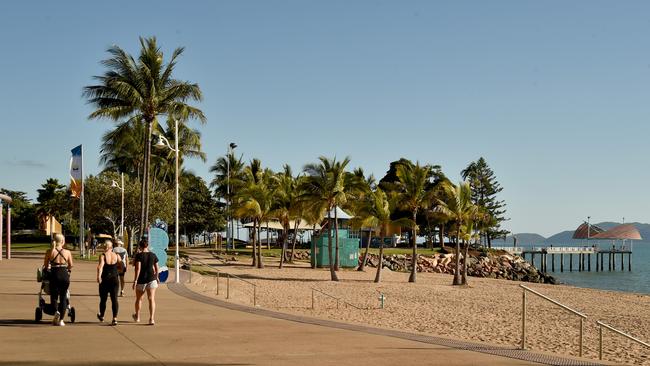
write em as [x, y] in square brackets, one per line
[59, 263]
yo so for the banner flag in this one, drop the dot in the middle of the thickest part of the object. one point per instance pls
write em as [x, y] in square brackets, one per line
[76, 180]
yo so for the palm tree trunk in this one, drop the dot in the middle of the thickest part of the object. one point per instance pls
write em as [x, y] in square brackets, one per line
[381, 258]
[414, 259]
[362, 267]
[254, 264]
[465, 260]
[143, 194]
[336, 233]
[293, 244]
[260, 264]
[268, 236]
[457, 280]
[148, 173]
[284, 245]
[442, 236]
[333, 275]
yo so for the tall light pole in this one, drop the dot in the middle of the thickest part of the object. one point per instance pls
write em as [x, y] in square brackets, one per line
[162, 143]
[231, 147]
[121, 187]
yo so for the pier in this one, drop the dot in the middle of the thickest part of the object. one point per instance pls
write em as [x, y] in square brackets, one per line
[583, 257]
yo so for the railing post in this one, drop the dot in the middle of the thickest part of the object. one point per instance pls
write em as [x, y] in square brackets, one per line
[600, 342]
[523, 321]
[582, 330]
[227, 286]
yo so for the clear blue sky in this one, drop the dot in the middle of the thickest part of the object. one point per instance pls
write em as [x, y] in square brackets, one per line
[554, 94]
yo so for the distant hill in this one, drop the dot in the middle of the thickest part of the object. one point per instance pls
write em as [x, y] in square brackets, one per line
[522, 239]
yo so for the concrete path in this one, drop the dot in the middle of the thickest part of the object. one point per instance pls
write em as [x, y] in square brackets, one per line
[189, 332]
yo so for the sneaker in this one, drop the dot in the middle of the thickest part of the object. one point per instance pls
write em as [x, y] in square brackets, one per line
[56, 319]
[101, 318]
[61, 323]
[114, 322]
[135, 318]
[121, 293]
[151, 322]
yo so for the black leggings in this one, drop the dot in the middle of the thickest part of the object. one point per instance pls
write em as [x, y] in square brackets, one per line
[109, 286]
[59, 284]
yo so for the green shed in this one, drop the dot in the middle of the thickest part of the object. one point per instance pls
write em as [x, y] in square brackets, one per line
[348, 250]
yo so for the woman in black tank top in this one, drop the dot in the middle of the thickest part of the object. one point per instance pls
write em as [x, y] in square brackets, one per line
[108, 279]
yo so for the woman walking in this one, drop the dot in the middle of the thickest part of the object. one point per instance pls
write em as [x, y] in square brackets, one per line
[145, 279]
[59, 261]
[108, 279]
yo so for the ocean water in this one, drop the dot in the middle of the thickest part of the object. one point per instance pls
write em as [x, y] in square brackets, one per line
[638, 280]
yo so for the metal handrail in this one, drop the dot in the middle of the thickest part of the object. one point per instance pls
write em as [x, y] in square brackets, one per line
[338, 300]
[600, 336]
[228, 275]
[523, 316]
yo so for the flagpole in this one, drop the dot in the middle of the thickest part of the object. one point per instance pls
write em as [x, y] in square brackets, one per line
[82, 243]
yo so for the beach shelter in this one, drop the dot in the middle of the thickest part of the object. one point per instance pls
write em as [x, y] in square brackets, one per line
[586, 231]
[620, 232]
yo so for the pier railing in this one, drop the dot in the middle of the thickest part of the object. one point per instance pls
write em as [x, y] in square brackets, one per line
[602, 325]
[227, 275]
[523, 316]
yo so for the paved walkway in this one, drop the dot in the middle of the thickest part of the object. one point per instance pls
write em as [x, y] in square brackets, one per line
[190, 332]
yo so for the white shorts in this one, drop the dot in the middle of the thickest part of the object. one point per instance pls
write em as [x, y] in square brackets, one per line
[144, 286]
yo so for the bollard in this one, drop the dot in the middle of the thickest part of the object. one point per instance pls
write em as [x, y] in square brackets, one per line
[381, 300]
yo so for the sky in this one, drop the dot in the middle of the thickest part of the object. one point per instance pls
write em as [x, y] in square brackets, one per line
[553, 94]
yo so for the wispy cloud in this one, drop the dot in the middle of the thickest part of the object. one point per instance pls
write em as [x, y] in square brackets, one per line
[26, 163]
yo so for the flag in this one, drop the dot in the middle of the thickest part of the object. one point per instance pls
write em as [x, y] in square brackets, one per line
[75, 172]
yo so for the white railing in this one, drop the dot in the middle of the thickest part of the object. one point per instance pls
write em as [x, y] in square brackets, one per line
[523, 316]
[600, 337]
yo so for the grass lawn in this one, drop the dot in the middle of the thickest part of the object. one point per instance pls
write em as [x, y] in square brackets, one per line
[30, 247]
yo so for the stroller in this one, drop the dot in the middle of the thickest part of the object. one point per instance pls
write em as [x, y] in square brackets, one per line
[48, 308]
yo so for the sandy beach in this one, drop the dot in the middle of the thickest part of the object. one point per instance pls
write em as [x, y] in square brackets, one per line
[488, 310]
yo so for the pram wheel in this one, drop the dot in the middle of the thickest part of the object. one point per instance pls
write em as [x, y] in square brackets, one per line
[71, 314]
[38, 315]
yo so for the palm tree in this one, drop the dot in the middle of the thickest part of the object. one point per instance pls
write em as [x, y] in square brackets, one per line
[285, 206]
[141, 91]
[414, 195]
[324, 189]
[375, 212]
[253, 201]
[51, 201]
[459, 208]
[361, 189]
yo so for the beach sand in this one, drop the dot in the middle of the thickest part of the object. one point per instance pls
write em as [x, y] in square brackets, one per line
[487, 310]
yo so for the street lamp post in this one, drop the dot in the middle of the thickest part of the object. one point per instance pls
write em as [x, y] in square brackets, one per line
[229, 223]
[121, 187]
[162, 143]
